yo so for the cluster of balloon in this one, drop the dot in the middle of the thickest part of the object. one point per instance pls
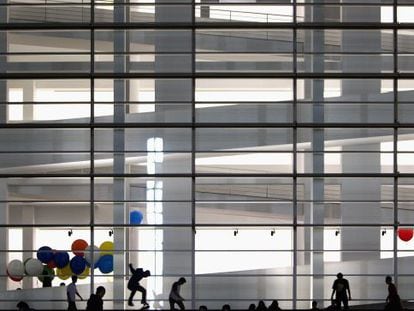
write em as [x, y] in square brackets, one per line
[405, 234]
[48, 260]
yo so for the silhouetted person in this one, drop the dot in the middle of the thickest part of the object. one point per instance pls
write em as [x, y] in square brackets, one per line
[22, 306]
[134, 286]
[71, 293]
[274, 306]
[315, 305]
[340, 287]
[175, 297]
[261, 306]
[95, 302]
[47, 279]
[252, 307]
[202, 308]
[225, 307]
[393, 301]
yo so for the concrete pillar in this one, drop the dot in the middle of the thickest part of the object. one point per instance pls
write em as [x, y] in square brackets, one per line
[314, 89]
[28, 96]
[361, 40]
[4, 219]
[173, 90]
[119, 187]
[28, 217]
[354, 189]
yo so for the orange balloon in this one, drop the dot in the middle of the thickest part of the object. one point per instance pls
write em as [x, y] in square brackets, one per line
[78, 246]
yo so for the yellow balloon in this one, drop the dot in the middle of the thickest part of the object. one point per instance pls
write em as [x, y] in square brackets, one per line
[84, 274]
[64, 273]
[107, 248]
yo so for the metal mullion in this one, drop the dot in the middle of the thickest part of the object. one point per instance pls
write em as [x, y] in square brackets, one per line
[193, 154]
[395, 142]
[92, 146]
[295, 129]
[207, 75]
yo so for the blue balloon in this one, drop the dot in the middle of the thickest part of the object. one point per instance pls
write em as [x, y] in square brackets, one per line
[135, 217]
[45, 254]
[77, 264]
[61, 259]
[106, 264]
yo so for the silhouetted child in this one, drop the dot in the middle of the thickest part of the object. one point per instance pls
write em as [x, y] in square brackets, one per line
[274, 306]
[134, 286]
[226, 307]
[202, 308]
[393, 301]
[252, 307]
[175, 297]
[261, 306]
[95, 302]
[340, 287]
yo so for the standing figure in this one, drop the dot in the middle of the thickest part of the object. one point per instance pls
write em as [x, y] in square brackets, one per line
[393, 301]
[71, 293]
[95, 302]
[134, 286]
[340, 287]
[175, 297]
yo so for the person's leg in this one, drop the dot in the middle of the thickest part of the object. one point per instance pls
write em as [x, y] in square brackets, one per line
[72, 306]
[181, 304]
[337, 303]
[144, 294]
[172, 302]
[345, 302]
[131, 297]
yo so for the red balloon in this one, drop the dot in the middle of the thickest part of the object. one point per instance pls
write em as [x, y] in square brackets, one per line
[405, 234]
[51, 264]
[78, 246]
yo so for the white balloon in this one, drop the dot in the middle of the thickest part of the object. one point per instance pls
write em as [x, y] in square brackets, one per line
[88, 254]
[16, 268]
[33, 267]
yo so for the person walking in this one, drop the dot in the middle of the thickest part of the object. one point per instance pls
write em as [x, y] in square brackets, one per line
[71, 293]
[393, 301]
[175, 296]
[95, 302]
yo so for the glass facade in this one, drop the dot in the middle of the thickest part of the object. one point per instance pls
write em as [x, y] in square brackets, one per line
[267, 144]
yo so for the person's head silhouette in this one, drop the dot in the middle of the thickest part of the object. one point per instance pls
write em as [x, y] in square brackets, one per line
[339, 275]
[388, 279]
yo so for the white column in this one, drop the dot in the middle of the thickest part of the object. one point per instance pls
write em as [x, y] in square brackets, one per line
[28, 96]
[361, 238]
[4, 219]
[28, 218]
[119, 188]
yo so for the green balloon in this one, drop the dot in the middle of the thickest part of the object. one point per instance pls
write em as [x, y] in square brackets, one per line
[47, 273]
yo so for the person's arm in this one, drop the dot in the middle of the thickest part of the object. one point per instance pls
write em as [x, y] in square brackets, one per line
[333, 291]
[131, 268]
[77, 294]
[349, 290]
